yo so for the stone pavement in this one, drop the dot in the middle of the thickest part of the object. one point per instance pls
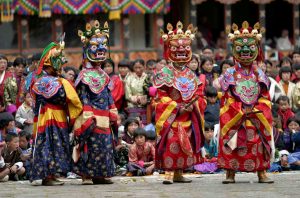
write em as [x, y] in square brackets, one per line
[286, 185]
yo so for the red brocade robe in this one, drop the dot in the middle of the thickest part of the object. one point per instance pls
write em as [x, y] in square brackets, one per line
[180, 136]
[245, 138]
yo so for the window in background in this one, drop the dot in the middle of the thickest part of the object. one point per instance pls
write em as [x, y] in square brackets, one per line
[9, 35]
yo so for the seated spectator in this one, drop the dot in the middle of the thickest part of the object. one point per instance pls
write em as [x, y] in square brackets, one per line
[141, 155]
[11, 154]
[151, 126]
[292, 125]
[7, 124]
[24, 143]
[209, 151]
[284, 110]
[212, 111]
[125, 140]
[25, 115]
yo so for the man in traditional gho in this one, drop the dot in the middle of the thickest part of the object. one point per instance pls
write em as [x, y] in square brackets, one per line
[245, 116]
[179, 107]
[57, 105]
[92, 130]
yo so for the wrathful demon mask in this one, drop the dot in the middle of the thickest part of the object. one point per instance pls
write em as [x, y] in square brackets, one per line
[177, 43]
[246, 42]
[95, 40]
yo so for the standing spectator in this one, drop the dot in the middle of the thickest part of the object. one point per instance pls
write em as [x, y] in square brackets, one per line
[271, 70]
[124, 69]
[25, 115]
[194, 65]
[115, 85]
[150, 66]
[296, 56]
[285, 83]
[160, 63]
[70, 74]
[134, 91]
[30, 70]
[208, 52]
[8, 87]
[284, 43]
[223, 67]
[20, 64]
[206, 67]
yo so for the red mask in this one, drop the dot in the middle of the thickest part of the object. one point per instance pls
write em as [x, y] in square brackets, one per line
[177, 43]
[179, 50]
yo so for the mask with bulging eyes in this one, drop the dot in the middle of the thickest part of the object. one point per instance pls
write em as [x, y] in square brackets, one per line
[179, 50]
[96, 49]
[245, 49]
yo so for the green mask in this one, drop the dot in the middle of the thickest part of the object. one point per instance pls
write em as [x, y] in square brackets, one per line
[245, 50]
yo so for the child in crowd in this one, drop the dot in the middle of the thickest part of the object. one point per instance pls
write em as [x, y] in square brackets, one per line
[285, 83]
[151, 137]
[212, 111]
[24, 115]
[141, 155]
[130, 125]
[7, 124]
[294, 158]
[209, 151]
[24, 144]
[284, 110]
[11, 154]
[125, 140]
[288, 145]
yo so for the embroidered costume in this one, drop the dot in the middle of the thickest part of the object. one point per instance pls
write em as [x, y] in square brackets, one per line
[94, 159]
[180, 130]
[245, 114]
[56, 107]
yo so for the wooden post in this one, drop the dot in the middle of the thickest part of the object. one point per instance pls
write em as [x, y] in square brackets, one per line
[193, 20]
[126, 37]
[227, 9]
[262, 21]
[296, 25]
